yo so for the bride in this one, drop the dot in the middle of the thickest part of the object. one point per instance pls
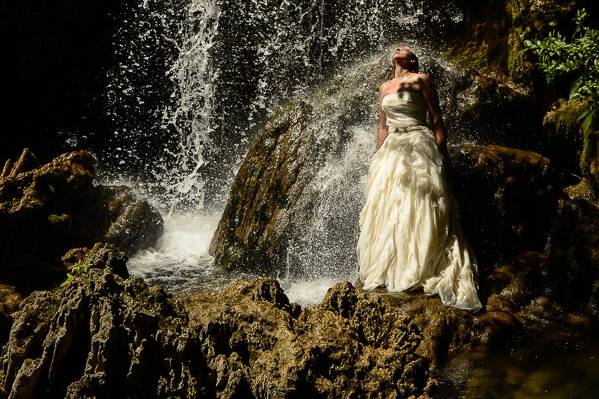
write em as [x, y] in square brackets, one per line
[410, 233]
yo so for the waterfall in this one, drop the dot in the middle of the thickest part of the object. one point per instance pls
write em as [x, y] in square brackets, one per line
[195, 79]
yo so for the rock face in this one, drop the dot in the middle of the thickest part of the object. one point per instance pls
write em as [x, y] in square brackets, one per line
[102, 336]
[47, 210]
[253, 229]
[351, 344]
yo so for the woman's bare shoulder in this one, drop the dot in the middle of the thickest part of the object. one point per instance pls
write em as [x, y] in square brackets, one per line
[423, 77]
[384, 86]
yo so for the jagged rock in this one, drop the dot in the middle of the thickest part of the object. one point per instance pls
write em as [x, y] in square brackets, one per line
[49, 209]
[353, 344]
[100, 256]
[102, 336]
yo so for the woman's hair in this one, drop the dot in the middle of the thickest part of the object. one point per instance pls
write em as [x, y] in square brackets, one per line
[414, 65]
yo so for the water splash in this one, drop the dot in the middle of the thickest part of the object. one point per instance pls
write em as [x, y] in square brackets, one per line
[226, 65]
[194, 79]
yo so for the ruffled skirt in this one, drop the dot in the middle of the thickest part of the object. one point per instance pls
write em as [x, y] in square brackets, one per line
[410, 233]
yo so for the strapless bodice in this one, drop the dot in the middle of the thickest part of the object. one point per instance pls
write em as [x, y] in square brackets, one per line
[404, 108]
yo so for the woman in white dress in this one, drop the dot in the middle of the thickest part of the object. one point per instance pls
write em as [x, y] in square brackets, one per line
[410, 232]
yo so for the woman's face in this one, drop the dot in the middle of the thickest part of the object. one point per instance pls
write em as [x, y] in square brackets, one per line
[403, 57]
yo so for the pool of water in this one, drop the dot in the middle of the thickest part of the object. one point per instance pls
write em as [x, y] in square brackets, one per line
[181, 262]
[537, 369]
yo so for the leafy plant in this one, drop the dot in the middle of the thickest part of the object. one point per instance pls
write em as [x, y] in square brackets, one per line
[577, 56]
[80, 269]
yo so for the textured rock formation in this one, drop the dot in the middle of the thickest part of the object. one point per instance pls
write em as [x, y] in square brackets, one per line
[352, 344]
[252, 231]
[101, 336]
[45, 210]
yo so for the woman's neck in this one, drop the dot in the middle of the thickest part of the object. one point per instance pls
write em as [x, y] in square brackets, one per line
[400, 72]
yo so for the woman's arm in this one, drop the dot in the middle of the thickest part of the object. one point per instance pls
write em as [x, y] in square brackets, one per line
[383, 129]
[432, 101]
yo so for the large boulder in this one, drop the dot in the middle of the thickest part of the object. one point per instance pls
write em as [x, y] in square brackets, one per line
[45, 210]
[253, 231]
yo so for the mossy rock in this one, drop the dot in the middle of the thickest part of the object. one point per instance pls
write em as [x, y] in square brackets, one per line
[494, 31]
[45, 210]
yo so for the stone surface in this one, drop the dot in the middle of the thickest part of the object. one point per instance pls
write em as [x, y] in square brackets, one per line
[48, 209]
[101, 336]
[252, 231]
[351, 345]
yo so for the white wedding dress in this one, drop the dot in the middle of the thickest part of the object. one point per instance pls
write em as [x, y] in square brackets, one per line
[410, 232]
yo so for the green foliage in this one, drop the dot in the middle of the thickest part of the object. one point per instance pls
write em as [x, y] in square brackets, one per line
[577, 56]
[80, 269]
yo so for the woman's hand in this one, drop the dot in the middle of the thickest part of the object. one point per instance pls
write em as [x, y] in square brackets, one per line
[444, 153]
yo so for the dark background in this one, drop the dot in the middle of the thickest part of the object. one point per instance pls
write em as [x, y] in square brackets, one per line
[54, 54]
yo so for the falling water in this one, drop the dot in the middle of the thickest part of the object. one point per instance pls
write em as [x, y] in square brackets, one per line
[195, 79]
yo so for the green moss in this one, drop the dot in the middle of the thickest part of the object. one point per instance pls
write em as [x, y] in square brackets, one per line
[469, 56]
[59, 219]
[582, 190]
[564, 120]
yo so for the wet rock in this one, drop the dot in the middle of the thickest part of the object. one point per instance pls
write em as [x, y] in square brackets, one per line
[100, 256]
[352, 344]
[102, 336]
[46, 210]
[253, 231]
